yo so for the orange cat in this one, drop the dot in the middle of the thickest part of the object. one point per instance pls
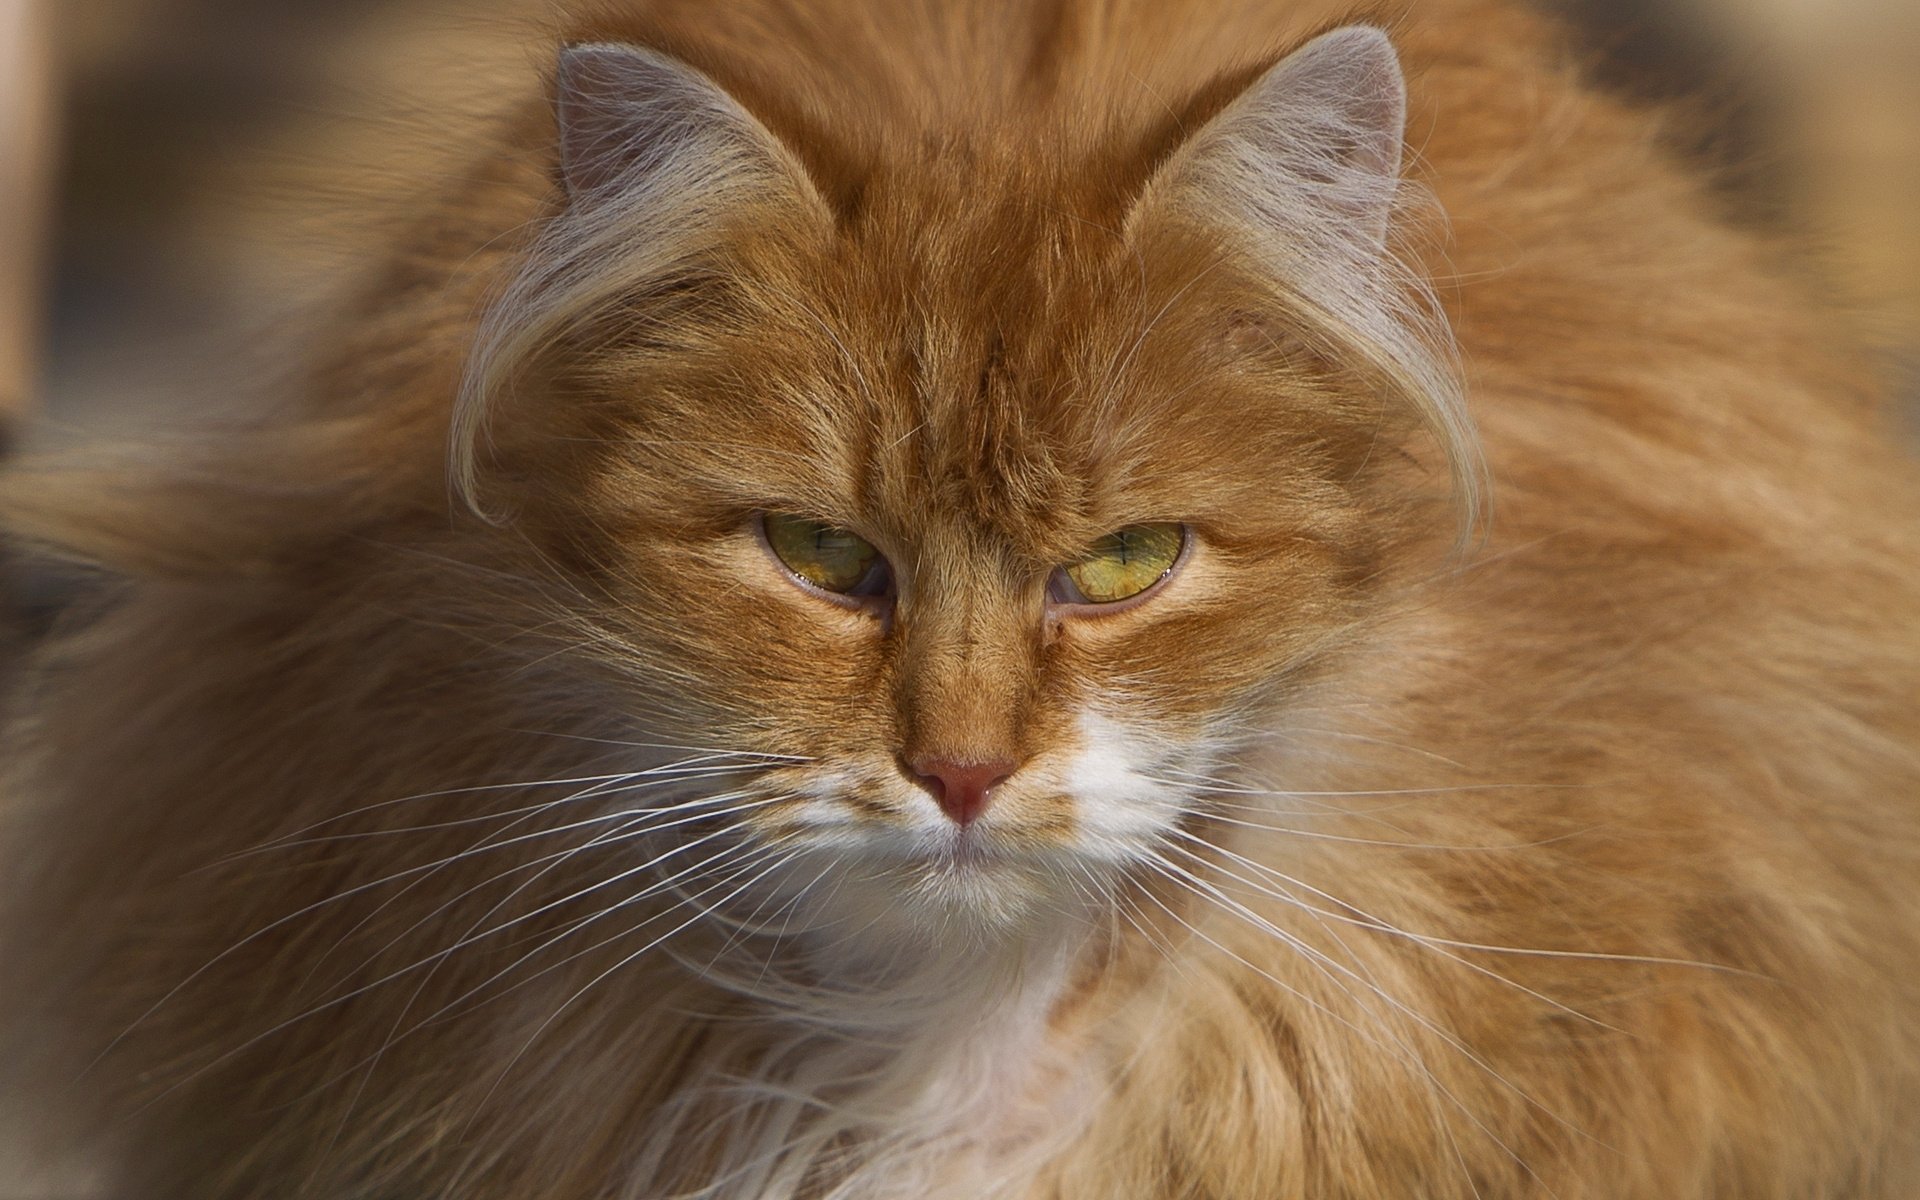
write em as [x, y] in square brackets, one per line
[975, 649]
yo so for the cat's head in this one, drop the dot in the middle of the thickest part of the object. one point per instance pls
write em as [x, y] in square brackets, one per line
[992, 491]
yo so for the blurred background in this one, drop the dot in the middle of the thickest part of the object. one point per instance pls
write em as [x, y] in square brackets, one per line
[166, 165]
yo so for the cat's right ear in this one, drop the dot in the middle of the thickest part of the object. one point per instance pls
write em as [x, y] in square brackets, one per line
[660, 166]
[635, 123]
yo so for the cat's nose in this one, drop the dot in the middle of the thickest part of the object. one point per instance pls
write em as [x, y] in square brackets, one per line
[962, 790]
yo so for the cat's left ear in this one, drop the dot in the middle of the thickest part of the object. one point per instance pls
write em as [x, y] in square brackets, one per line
[1309, 153]
[632, 121]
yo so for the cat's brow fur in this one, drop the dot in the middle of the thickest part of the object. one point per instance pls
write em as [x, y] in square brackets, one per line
[353, 835]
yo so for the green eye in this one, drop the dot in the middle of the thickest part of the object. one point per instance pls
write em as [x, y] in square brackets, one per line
[829, 558]
[1120, 565]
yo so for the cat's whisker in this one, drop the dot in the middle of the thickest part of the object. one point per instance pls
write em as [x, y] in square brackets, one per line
[338, 1000]
[1316, 805]
[640, 817]
[551, 863]
[619, 787]
[750, 925]
[452, 1008]
[590, 780]
[569, 1002]
[374, 914]
[1362, 964]
[487, 843]
[730, 862]
[1319, 803]
[1400, 1049]
[739, 929]
[766, 757]
[1208, 813]
[702, 762]
[627, 873]
[1173, 875]
[1383, 927]
[1322, 916]
[1288, 793]
[792, 907]
[1299, 732]
[337, 897]
[1330, 966]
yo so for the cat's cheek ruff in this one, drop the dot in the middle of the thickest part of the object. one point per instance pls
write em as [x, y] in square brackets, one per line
[1122, 808]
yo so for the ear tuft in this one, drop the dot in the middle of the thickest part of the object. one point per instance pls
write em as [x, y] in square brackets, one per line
[1335, 114]
[1315, 143]
[626, 112]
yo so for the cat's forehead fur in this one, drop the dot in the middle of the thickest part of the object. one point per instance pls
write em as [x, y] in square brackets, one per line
[1013, 368]
[1000, 358]
[983, 327]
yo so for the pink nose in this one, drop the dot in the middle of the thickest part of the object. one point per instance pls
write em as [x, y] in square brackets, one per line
[962, 790]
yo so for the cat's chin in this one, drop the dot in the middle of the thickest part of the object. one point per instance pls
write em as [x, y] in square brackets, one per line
[966, 849]
[976, 851]
[983, 879]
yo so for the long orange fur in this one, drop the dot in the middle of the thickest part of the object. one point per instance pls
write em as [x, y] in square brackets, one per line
[1580, 863]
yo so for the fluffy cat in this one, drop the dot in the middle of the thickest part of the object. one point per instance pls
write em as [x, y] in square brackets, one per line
[983, 642]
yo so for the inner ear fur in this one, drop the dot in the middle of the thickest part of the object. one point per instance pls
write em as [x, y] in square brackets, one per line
[630, 119]
[1311, 147]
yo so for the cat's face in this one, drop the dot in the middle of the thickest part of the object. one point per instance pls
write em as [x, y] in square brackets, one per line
[962, 398]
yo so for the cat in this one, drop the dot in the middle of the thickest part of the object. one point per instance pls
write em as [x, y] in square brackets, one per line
[1233, 599]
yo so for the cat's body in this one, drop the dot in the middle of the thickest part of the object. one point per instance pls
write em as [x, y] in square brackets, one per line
[1580, 863]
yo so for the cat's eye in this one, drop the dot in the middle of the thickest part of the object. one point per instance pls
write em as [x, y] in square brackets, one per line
[832, 559]
[1120, 566]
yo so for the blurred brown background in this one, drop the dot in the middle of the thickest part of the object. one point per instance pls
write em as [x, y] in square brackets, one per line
[216, 162]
